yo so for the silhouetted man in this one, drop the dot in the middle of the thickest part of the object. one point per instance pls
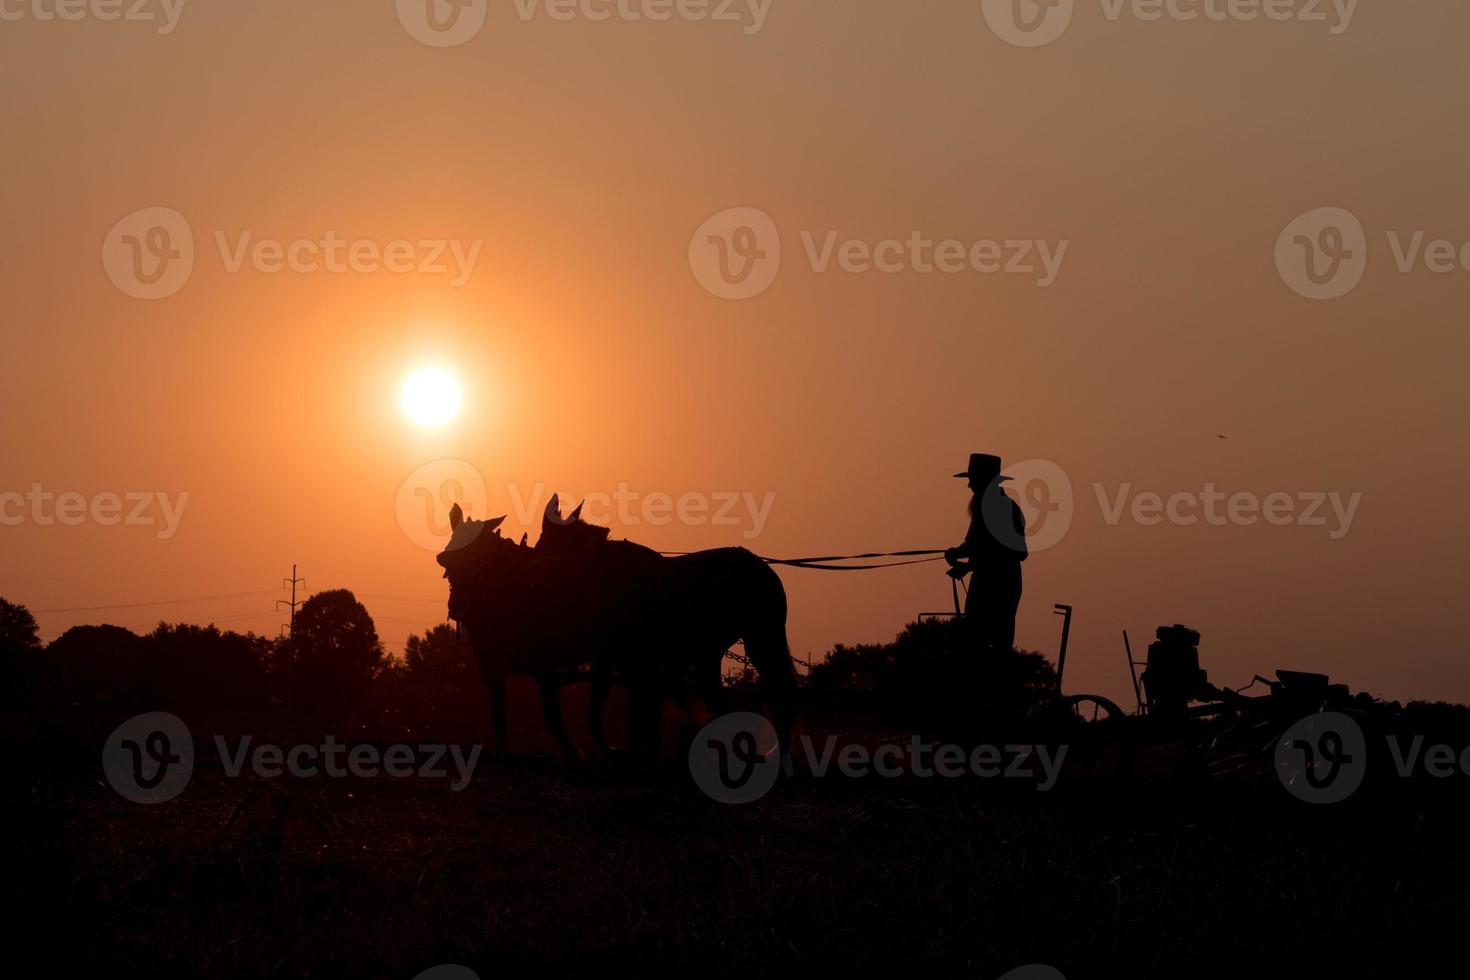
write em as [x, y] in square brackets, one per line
[993, 550]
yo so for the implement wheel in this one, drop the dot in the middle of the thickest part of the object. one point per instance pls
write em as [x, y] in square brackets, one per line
[1098, 739]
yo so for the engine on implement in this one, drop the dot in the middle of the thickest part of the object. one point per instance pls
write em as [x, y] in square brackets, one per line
[1173, 680]
[1172, 677]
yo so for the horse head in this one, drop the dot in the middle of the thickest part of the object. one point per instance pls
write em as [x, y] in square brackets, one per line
[476, 556]
[560, 534]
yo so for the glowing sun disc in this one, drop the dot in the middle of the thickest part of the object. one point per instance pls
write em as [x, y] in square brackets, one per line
[431, 397]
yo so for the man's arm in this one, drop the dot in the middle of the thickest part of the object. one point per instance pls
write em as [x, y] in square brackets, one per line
[1018, 521]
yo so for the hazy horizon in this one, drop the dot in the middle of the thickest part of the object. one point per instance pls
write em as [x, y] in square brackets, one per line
[574, 163]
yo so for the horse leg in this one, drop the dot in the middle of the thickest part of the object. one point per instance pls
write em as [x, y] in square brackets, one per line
[645, 703]
[769, 652]
[711, 685]
[496, 684]
[701, 695]
[596, 705]
[549, 685]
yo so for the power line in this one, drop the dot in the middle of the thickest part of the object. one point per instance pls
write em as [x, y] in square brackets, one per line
[293, 603]
[155, 602]
[234, 617]
[397, 598]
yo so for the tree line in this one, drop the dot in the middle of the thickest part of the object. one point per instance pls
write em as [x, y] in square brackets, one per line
[333, 661]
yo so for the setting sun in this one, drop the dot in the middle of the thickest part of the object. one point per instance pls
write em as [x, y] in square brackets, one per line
[431, 397]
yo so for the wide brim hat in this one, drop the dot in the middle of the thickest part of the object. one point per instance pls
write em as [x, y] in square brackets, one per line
[983, 465]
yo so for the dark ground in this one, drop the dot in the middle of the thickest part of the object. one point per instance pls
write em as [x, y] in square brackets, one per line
[528, 872]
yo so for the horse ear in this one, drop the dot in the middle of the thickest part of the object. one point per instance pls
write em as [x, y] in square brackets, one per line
[577, 514]
[494, 523]
[456, 517]
[524, 536]
[552, 514]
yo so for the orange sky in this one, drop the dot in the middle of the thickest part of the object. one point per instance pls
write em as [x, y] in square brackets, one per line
[582, 155]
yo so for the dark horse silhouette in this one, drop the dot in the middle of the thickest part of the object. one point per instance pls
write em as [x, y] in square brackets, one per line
[584, 600]
[569, 535]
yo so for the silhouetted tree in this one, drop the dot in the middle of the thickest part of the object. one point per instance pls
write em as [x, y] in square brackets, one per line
[436, 679]
[177, 667]
[19, 647]
[391, 680]
[440, 657]
[337, 652]
[17, 628]
[200, 666]
[93, 665]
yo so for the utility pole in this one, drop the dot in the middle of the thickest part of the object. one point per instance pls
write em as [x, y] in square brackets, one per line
[291, 583]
